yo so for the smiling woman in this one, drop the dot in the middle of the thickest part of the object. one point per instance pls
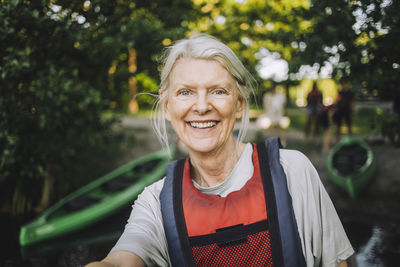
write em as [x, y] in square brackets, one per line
[206, 48]
[229, 203]
[202, 105]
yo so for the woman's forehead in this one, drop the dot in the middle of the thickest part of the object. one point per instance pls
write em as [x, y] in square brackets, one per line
[193, 70]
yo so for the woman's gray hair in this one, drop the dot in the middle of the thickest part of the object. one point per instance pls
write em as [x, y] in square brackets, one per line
[202, 46]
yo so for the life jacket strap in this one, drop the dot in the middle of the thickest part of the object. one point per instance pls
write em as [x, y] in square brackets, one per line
[286, 224]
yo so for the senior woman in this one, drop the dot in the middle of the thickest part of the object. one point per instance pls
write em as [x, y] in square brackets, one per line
[230, 203]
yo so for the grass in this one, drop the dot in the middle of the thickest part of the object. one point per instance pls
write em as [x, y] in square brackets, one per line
[364, 120]
[298, 118]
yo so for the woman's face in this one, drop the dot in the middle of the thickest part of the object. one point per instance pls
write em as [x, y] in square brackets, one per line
[202, 104]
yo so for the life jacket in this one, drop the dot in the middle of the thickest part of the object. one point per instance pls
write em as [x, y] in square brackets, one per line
[261, 230]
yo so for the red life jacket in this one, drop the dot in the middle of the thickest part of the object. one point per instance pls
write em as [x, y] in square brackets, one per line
[254, 226]
[231, 230]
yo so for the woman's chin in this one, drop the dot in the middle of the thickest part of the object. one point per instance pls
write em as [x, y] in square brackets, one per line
[197, 149]
[201, 147]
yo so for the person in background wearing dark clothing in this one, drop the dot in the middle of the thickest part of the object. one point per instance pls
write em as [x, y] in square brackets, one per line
[314, 106]
[325, 121]
[344, 109]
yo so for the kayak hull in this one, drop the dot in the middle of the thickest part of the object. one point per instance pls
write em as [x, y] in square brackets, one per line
[97, 200]
[356, 181]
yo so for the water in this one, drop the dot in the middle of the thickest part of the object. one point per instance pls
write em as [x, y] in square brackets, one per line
[376, 245]
[76, 249]
[364, 257]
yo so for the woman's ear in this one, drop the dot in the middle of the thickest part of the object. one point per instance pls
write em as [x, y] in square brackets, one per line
[165, 108]
[239, 108]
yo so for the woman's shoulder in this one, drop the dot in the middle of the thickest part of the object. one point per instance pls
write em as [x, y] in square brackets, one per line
[293, 158]
[299, 170]
[151, 193]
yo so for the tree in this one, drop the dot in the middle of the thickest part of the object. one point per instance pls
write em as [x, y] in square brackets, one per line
[353, 38]
[50, 106]
[254, 27]
[356, 38]
[118, 29]
[63, 64]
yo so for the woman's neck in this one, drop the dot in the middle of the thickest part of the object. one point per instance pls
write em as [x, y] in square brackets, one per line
[210, 169]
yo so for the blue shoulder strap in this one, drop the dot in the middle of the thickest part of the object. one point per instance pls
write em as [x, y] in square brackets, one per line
[172, 213]
[292, 252]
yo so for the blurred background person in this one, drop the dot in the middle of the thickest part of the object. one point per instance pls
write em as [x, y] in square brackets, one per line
[344, 110]
[325, 122]
[314, 106]
[274, 103]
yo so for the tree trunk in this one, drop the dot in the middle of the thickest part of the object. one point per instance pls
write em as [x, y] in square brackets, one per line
[133, 105]
[46, 192]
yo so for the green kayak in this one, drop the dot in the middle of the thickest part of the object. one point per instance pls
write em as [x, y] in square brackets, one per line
[351, 165]
[97, 200]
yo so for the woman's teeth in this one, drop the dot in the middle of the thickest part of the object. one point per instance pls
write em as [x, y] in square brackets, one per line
[202, 125]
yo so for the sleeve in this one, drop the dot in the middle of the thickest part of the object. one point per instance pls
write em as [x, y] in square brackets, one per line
[144, 233]
[324, 240]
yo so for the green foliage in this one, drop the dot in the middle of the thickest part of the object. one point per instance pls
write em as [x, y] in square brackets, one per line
[248, 26]
[55, 80]
[50, 102]
[148, 88]
[366, 121]
[354, 37]
[387, 124]
[298, 118]
[357, 37]
[113, 27]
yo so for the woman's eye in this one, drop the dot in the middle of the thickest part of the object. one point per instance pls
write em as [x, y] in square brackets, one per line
[183, 92]
[220, 92]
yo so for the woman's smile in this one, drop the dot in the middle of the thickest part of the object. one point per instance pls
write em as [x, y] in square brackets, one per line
[202, 124]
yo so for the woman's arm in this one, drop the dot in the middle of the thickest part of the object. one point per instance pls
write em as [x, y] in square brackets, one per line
[343, 264]
[120, 259]
[143, 240]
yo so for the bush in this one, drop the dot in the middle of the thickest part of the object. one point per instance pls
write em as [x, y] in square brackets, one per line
[51, 104]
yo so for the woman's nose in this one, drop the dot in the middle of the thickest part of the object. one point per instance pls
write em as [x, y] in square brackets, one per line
[202, 104]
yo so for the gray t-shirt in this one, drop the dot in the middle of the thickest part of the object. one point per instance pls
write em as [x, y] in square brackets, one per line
[323, 239]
